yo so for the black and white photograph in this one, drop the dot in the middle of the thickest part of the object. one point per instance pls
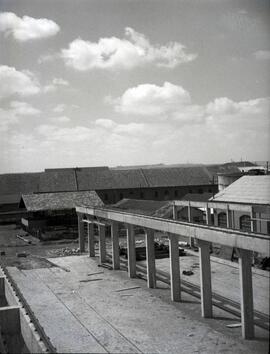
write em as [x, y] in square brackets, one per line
[135, 176]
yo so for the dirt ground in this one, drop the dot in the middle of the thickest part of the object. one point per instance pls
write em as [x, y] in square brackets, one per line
[32, 254]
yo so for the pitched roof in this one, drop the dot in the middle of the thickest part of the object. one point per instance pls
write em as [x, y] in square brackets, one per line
[90, 178]
[58, 181]
[247, 190]
[146, 207]
[177, 176]
[129, 178]
[59, 201]
[195, 197]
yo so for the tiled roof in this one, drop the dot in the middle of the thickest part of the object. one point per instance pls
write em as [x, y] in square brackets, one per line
[177, 176]
[194, 197]
[146, 207]
[92, 178]
[248, 190]
[58, 181]
[129, 178]
[59, 201]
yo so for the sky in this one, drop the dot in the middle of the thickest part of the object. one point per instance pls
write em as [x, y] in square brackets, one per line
[130, 82]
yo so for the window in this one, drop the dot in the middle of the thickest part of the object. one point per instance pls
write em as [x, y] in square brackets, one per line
[131, 192]
[200, 191]
[142, 195]
[222, 220]
[190, 191]
[245, 223]
[121, 196]
[156, 194]
[106, 196]
[176, 193]
[210, 190]
[166, 192]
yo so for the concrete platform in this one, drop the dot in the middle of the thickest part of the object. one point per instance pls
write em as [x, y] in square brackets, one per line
[109, 313]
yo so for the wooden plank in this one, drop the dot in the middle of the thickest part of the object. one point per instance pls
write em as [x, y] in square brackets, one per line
[205, 279]
[247, 315]
[115, 245]
[174, 269]
[131, 251]
[102, 244]
[150, 258]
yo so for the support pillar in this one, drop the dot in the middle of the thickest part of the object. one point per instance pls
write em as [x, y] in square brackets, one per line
[174, 268]
[174, 212]
[115, 245]
[102, 244]
[91, 239]
[81, 233]
[229, 218]
[150, 258]
[252, 221]
[131, 251]
[245, 272]
[208, 215]
[205, 279]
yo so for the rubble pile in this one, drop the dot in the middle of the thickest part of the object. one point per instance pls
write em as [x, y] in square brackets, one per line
[66, 251]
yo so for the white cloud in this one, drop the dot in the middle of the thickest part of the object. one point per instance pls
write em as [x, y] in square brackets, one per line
[60, 119]
[59, 108]
[105, 123]
[27, 28]
[14, 82]
[149, 99]
[65, 135]
[262, 54]
[23, 108]
[127, 53]
[56, 82]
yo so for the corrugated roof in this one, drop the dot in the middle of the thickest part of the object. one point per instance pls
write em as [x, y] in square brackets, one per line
[58, 181]
[248, 190]
[177, 176]
[146, 207]
[59, 201]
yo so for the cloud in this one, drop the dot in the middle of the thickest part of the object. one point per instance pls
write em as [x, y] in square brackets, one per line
[22, 83]
[59, 108]
[105, 123]
[262, 54]
[56, 82]
[149, 99]
[60, 119]
[115, 53]
[65, 135]
[27, 28]
[23, 108]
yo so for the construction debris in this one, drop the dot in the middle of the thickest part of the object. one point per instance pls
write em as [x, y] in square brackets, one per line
[24, 239]
[187, 272]
[88, 280]
[134, 287]
[66, 251]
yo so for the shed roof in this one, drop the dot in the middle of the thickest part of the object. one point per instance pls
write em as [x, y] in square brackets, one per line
[146, 207]
[59, 201]
[247, 190]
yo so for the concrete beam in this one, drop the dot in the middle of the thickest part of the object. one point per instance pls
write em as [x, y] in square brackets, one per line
[174, 268]
[91, 240]
[115, 245]
[81, 234]
[227, 237]
[205, 279]
[246, 290]
[150, 258]
[131, 251]
[102, 244]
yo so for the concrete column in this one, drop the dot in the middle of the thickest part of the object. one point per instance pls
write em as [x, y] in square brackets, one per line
[174, 268]
[189, 213]
[245, 272]
[102, 244]
[91, 240]
[205, 279]
[208, 215]
[174, 212]
[150, 258]
[115, 245]
[131, 251]
[252, 222]
[81, 233]
[229, 218]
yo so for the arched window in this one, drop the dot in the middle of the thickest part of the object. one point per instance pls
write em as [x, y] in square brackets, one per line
[222, 220]
[245, 223]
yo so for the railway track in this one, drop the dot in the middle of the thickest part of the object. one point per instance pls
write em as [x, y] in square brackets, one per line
[225, 304]
[43, 337]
